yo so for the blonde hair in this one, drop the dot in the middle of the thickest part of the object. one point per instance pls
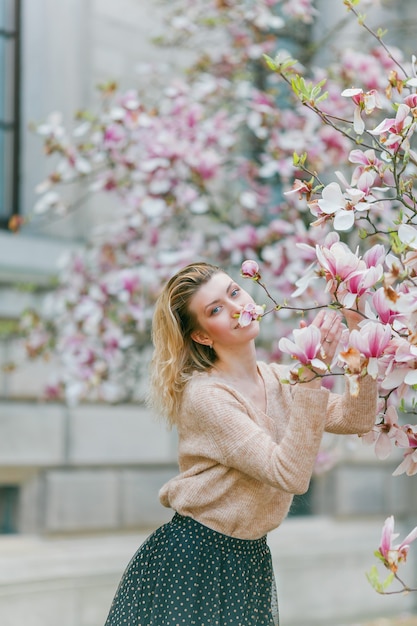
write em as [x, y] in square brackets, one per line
[176, 356]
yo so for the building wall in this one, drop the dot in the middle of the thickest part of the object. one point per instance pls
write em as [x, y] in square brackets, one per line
[91, 469]
[69, 47]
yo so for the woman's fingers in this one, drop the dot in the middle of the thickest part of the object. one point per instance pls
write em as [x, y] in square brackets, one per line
[330, 325]
[328, 322]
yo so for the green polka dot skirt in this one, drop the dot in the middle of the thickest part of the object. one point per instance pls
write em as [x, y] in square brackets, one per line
[186, 574]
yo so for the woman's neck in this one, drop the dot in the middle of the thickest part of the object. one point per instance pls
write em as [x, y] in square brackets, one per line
[240, 371]
[237, 365]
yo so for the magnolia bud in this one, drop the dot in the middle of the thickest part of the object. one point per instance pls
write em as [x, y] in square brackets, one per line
[250, 269]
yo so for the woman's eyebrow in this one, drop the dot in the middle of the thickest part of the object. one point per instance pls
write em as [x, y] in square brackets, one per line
[217, 300]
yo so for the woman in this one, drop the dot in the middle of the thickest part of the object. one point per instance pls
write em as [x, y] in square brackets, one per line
[247, 444]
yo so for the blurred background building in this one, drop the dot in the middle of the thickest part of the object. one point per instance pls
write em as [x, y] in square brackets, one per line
[78, 486]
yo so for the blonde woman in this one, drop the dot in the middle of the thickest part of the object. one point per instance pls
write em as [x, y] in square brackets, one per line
[247, 444]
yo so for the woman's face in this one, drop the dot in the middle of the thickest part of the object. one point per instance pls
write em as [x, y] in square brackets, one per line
[216, 306]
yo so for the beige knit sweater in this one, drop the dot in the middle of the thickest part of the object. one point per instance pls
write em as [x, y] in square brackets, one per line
[239, 466]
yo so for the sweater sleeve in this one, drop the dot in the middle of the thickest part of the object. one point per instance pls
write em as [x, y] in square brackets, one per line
[221, 420]
[347, 414]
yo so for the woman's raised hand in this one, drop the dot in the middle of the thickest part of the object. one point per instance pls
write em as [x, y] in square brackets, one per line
[330, 324]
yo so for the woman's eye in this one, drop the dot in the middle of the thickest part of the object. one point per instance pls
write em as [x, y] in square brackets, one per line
[215, 310]
[235, 292]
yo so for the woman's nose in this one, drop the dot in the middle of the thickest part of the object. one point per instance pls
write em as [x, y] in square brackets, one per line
[236, 309]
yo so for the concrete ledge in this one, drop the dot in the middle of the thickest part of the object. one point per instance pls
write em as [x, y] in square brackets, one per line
[38, 434]
[103, 499]
[31, 435]
[94, 467]
[30, 258]
[118, 434]
[320, 567]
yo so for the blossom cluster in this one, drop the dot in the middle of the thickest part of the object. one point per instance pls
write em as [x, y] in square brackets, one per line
[182, 190]
[380, 347]
[392, 556]
[158, 161]
[186, 187]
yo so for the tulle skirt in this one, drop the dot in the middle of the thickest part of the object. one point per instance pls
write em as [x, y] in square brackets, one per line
[186, 574]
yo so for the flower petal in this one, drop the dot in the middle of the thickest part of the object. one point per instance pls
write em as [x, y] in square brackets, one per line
[344, 220]
[383, 447]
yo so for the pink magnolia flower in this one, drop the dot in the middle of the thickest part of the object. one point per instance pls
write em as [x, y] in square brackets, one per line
[409, 464]
[381, 304]
[385, 433]
[399, 361]
[114, 135]
[411, 432]
[371, 341]
[411, 100]
[338, 263]
[114, 342]
[342, 206]
[395, 130]
[365, 101]
[347, 274]
[393, 555]
[88, 313]
[123, 283]
[359, 284]
[394, 125]
[408, 234]
[406, 303]
[249, 313]
[250, 269]
[206, 163]
[306, 346]
[368, 161]
[375, 256]
[301, 187]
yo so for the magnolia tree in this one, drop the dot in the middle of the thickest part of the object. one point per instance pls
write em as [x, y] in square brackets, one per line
[306, 175]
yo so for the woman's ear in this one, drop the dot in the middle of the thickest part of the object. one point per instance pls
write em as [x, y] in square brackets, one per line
[199, 337]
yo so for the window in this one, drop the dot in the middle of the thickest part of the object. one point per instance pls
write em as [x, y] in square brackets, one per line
[9, 107]
[9, 500]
